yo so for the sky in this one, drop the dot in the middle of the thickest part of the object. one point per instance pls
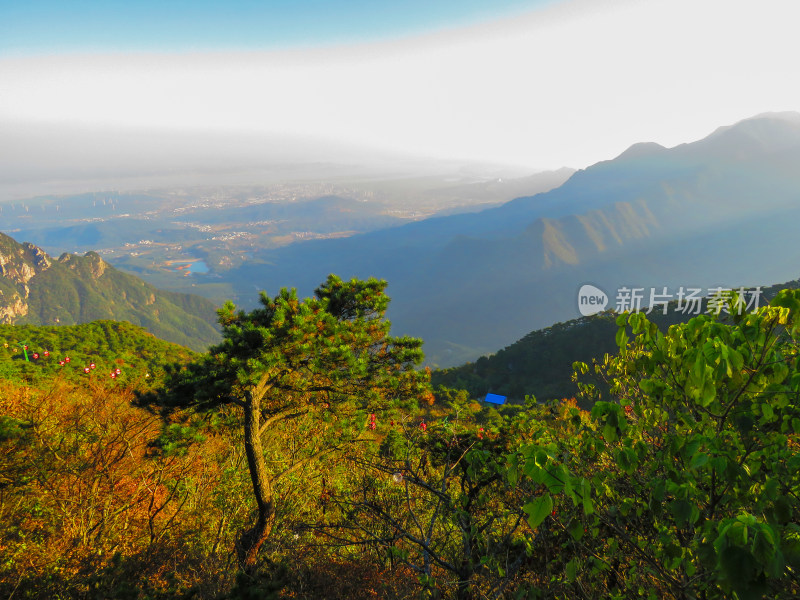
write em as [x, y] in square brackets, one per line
[536, 83]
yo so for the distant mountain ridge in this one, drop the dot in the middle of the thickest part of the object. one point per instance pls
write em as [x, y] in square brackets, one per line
[717, 211]
[39, 290]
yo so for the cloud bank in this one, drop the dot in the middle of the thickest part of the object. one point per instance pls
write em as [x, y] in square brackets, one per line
[570, 84]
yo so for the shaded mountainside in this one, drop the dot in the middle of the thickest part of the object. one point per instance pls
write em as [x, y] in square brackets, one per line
[540, 363]
[653, 216]
[36, 289]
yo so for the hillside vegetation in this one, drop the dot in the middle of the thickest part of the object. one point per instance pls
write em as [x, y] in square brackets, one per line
[40, 354]
[36, 289]
[303, 457]
[540, 363]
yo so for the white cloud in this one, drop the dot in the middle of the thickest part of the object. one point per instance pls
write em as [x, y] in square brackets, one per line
[565, 86]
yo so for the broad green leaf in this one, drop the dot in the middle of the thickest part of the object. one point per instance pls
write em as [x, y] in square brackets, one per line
[610, 433]
[538, 509]
[621, 337]
[576, 530]
[698, 460]
[708, 394]
[572, 570]
[681, 510]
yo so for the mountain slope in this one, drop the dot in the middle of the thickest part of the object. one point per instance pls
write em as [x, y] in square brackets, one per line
[719, 211]
[38, 353]
[540, 363]
[36, 289]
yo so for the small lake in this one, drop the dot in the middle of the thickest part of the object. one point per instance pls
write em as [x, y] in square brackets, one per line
[198, 267]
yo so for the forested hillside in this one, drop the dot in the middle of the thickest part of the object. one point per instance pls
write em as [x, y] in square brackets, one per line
[110, 352]
[305, 456]
[541, 362]
[40, 290]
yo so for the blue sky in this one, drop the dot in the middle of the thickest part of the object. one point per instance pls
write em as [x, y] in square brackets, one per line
[532, 83]
[57, 26]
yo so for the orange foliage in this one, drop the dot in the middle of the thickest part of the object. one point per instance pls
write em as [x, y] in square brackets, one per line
[87, 483]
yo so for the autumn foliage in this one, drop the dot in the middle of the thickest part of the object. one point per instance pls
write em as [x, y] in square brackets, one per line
[682, 481]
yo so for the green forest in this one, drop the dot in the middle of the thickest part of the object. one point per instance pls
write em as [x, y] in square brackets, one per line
[308, 455]
[540, 363]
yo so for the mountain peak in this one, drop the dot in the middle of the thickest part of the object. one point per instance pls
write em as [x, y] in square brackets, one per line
[642, 149]
[91, 261]
[19, 263]
[767, 131]
[786, 115]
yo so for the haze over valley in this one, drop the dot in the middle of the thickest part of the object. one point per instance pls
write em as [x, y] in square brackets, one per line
[719, 212]
[465, 155]
[164, 234]
[455, 247]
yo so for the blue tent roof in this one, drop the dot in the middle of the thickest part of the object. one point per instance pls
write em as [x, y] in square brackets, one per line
[495, 399]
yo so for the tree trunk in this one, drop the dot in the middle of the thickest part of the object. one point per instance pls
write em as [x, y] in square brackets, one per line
[252, 540]
[464, 589]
